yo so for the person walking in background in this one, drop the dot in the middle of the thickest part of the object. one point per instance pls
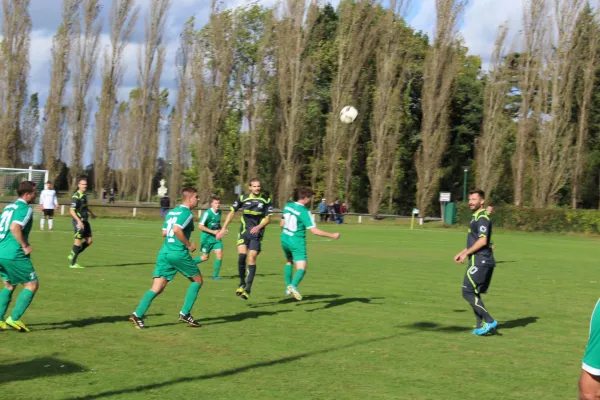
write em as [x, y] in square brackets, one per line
[111, 196]
[322, 210]
[165, 203]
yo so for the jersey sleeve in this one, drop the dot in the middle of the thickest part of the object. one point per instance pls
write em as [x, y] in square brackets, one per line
[75, 203]
[55, 200]
[42, 197]
[307, 219]
[269, 207]
[184, 219]
[204, 219]
[22, 216]
[483, 226]
[237, 204]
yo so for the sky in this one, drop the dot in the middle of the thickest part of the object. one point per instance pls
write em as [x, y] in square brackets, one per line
[478, 29]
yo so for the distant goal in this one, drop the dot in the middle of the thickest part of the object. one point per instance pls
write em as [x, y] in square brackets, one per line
[11, 177]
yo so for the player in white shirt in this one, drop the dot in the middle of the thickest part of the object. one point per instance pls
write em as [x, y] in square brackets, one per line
[48, 203]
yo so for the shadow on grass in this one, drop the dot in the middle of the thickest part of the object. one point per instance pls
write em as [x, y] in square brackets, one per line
[504, 262]
[308, 299]
[240, 317]
[238, 277]
[81, 323]
[435, 327]
[120, 265]
[346, 300]
[37, 368]
[234, 371]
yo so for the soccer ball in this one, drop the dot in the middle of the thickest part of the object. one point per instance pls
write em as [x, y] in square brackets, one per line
[348, 114]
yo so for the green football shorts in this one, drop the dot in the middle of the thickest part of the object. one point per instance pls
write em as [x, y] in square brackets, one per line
[17, 271]
[170, 263]
[207, 247]
[294, 251]
[591, 359]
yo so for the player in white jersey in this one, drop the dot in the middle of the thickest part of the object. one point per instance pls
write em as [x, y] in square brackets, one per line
[48, 203]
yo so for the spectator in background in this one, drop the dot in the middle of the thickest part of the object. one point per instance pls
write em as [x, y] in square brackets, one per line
[337, 207]
[165, 203]
[111, 196]
[331, 211]
[322, 211]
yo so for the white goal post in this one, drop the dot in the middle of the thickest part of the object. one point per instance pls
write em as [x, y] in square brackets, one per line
[9, 177]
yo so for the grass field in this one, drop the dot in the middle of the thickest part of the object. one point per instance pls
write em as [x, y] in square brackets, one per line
[383, 318]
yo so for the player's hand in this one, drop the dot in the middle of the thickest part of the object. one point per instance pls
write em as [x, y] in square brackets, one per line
[93, 216]
[192, 247]
[27, 249]
[57, 207]
[80, 225]
[220, 234]
[335, 236]
[255, 230]
[460, 257]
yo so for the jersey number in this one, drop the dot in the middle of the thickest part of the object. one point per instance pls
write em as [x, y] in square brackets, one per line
[290, 222]
[5, 222]
[170, 224]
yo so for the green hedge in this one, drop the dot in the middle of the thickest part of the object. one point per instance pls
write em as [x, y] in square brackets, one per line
[539, 219]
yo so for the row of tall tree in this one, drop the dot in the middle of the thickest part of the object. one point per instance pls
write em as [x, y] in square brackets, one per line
[259, 90]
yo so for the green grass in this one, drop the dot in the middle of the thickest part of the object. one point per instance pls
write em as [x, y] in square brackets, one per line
[383, 318]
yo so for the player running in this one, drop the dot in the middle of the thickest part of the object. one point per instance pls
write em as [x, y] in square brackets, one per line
[173, 257]
[210, 224]
[48, 203]
[589, 381]
[83, 231]
[257, 210]
[478, 275]
[15, 265]
[295, 221]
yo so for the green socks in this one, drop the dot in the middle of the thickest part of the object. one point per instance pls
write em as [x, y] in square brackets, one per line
[23, 301]
[145, 303]
[287, 274]
[5, 296]
[298, 277]
[190, 298]
[217, 267]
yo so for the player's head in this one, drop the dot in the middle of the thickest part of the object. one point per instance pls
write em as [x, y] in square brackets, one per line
[26, 191]
[215, 202]
[255, 186]
[82, 184]
[48, 185]
[303, 195]
[476, 199]
[190, 197]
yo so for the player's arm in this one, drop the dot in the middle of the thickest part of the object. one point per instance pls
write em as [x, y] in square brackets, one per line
[16, 229]
[91, 212]
[178, 232]
[316, 231]
[205, 229]
[164, 232]
[234, 207]
[266, 220]
[56, 201]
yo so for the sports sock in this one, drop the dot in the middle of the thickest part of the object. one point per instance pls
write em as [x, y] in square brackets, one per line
[5, 296]
[23, 301]
[478, 307]
[76, 251]
[190, 297]
[145, 303]
[50, 223]
[84, 246]
[250, 279]
[42, 223]
[242, 269]
[217, 267]
[298, 276]
[287, 274]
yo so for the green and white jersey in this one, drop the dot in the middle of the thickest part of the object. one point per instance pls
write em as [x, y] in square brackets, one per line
[212, 220]
[20, 213]
[297, 219]
[183, 218]
[591, 358]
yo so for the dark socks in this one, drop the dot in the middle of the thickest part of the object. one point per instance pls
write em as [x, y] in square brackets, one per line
[481, 313]
[242, 269]
[76, 251]
[251, 272]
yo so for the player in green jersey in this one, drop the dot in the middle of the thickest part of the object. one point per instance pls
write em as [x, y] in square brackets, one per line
[173, 257]
[210, 224]
[15, 264]
[295, 221]
[589, 381]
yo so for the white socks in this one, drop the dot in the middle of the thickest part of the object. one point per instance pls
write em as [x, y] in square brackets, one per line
[49, 223]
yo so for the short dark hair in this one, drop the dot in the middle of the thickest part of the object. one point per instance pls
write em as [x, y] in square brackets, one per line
[254, 180]
[82, 178]
[214, 197]
[26, 187]
[188, 190]
[480, 192]
[48, 183]
[303, 193]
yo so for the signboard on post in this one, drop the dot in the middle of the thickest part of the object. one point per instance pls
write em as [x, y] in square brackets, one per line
[445, 197]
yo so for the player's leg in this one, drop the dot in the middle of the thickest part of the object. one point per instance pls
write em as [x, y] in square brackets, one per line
[298, 276]
[184, 264]
[288, 268]
[77, 240]
[589, 386]
[242, 249]
[158, 285]
[476, 279]
[51, 219]
[88, 237]
[21, 271]
[42, 220]
[218, 249]
[253, 252]
[5, 295]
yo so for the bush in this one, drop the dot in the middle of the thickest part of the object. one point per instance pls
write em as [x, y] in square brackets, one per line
[539, 219]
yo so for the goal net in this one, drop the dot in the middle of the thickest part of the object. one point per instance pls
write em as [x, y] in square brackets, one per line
[11, 177]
